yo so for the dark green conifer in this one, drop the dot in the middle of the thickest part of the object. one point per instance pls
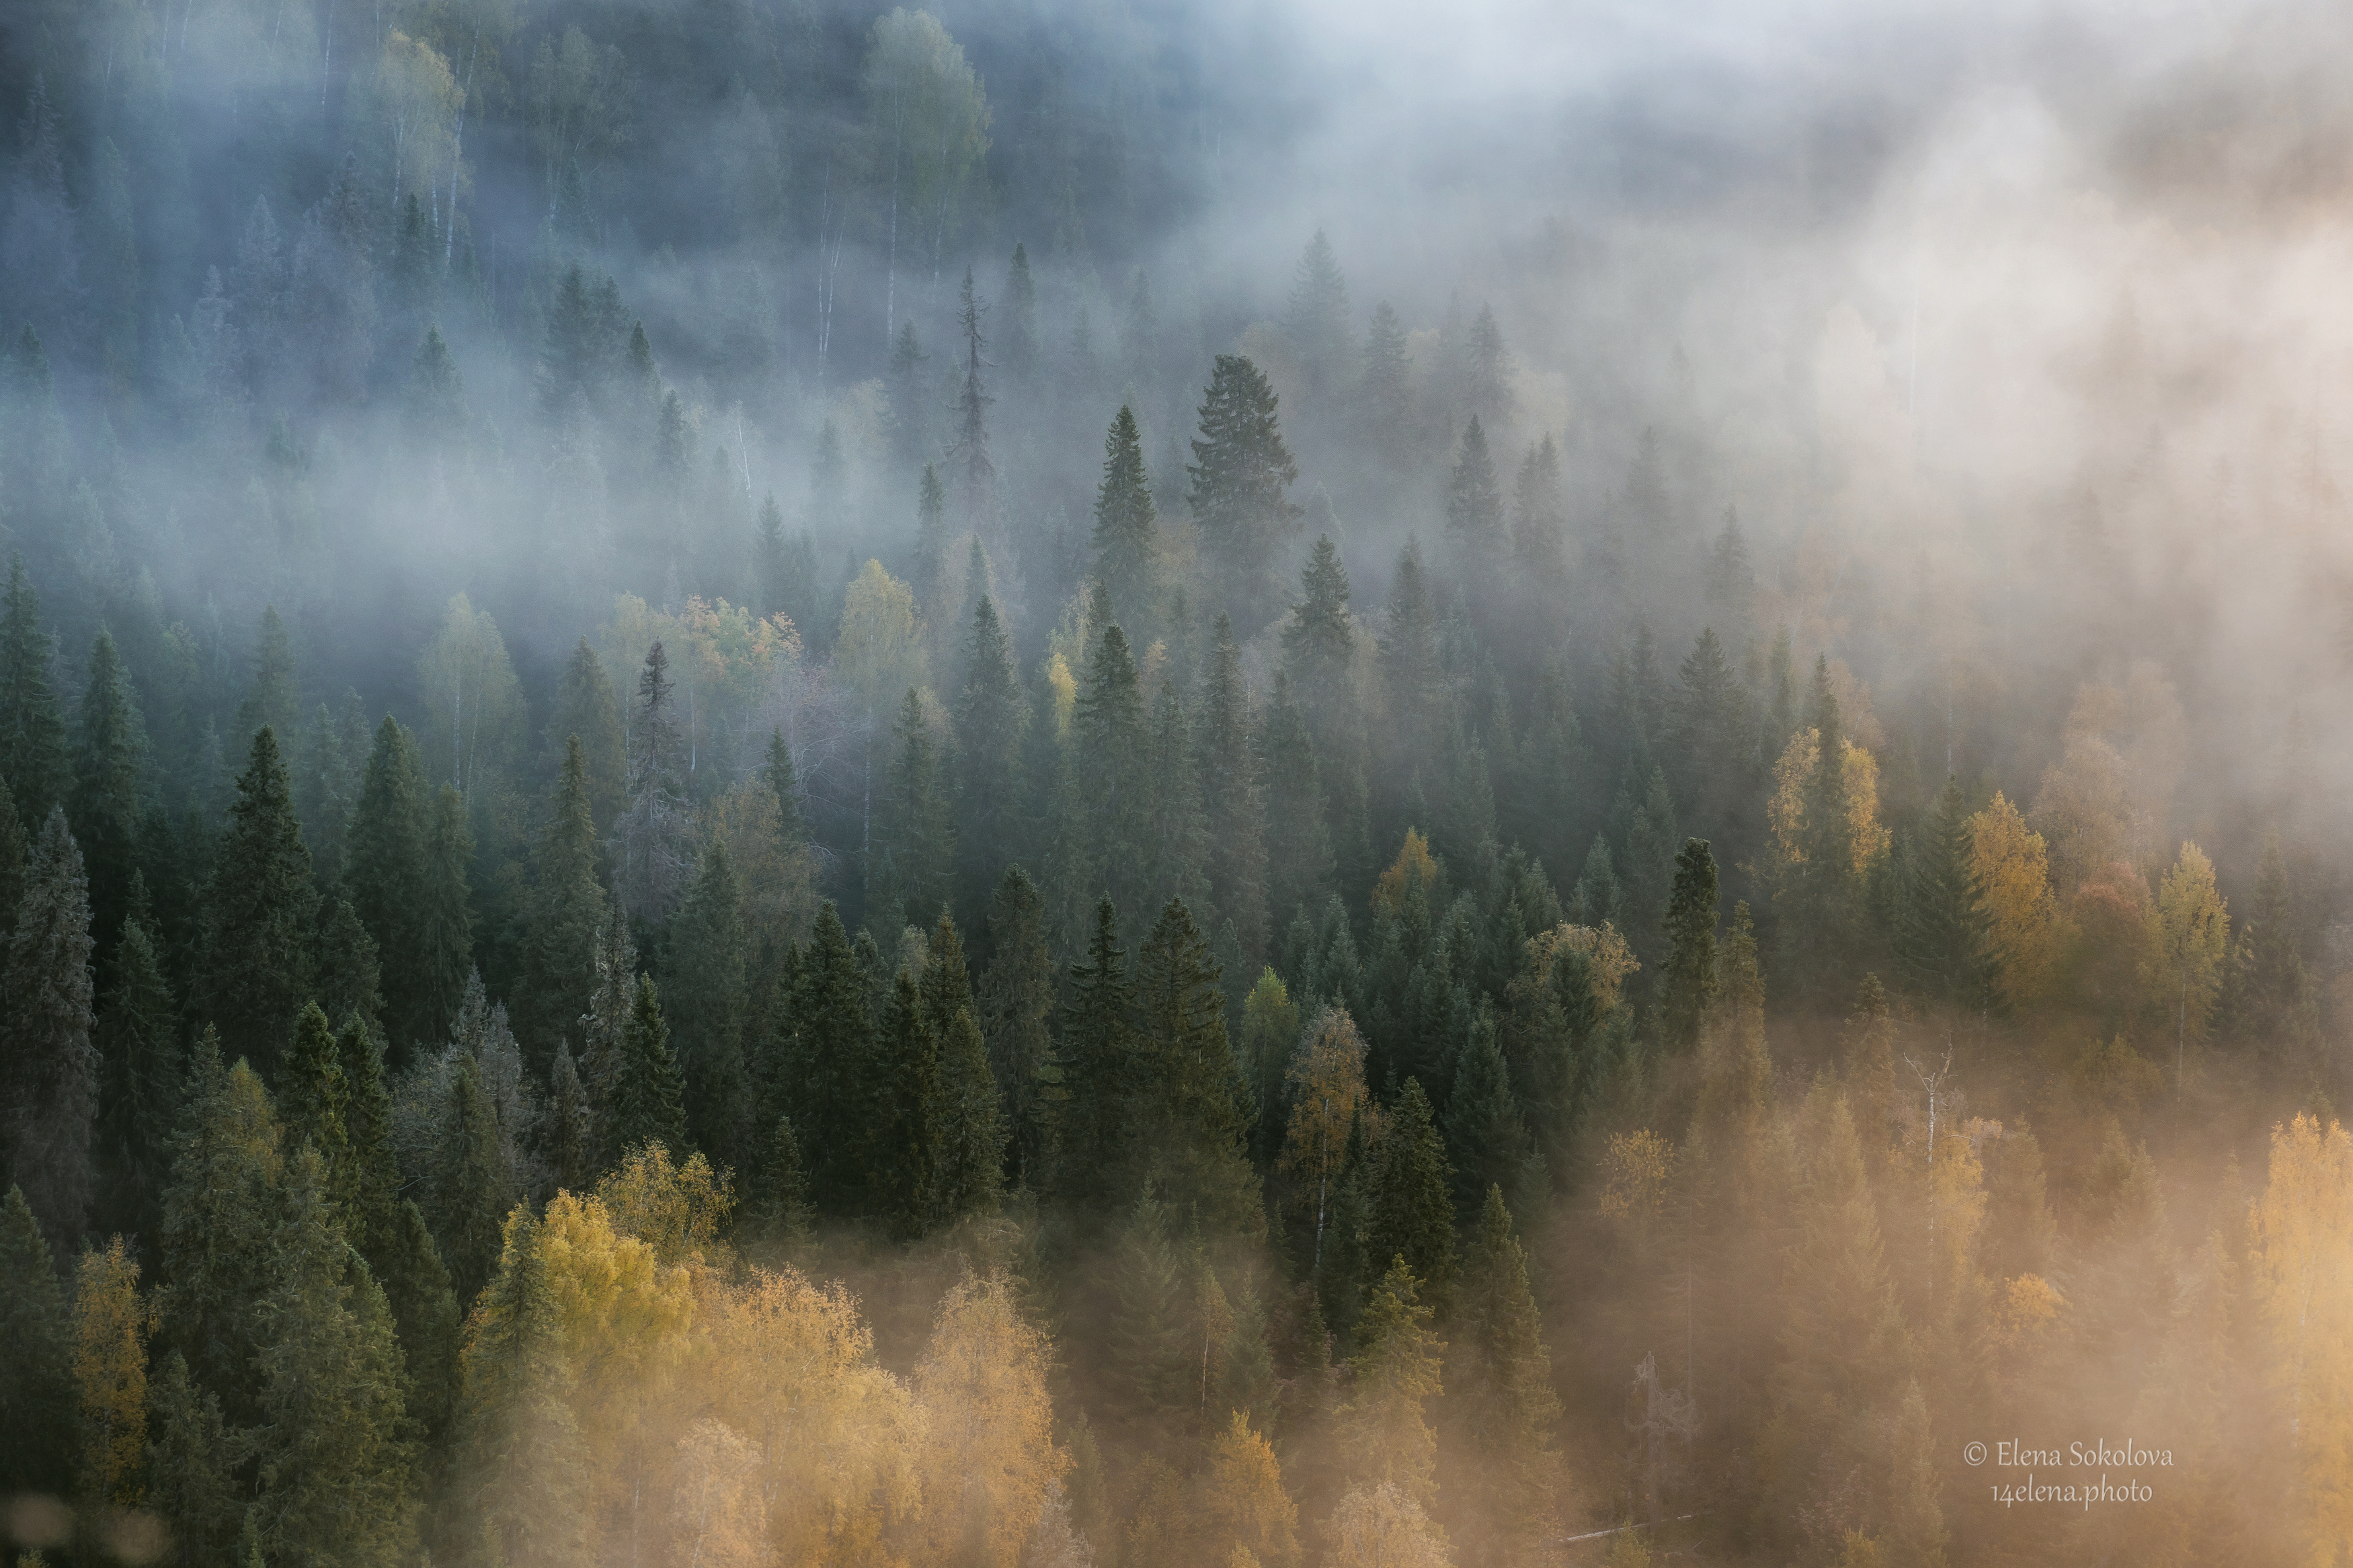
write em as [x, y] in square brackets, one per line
[1502, 1398]
[194, 1458]
[36, 1386]
[1486, 1136]
[1686, 985]
[49, 1075]
[914, 843]
[467, 1192]
[1240, 473]
[1411, 1199]
[367, 1133]
[312, 1100]
[219, 1220]
[108, 750]
[446, 931]
[564, 907]
[1475, 506]
[1093, 1061]
[139, 1081]
[272, 700]
[586, 707]
[1016, 1012]
[425, 1310]
[648, 1102]
[384, 875]
[1126, 543]
[33, 758]
[989, 722]
[708, 1004]
[1298, 839]
[780, 1199]
[1941, 933]
[1233, 799]
[831, 1059]
[964, 1131]
[1185, 1109]
[350, 975]
[898, 1153]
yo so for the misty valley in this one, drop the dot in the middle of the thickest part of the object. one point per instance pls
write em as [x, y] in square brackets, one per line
[1165, 784]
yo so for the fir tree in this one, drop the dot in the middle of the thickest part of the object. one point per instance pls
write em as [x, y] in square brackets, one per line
[271, 700]
[1411, 1193]
[1110, 768]
[1394, 1375]
[1127, 549]
[435, 409]
[569, 1138]
[193, 1463]
[468, 1193]
[708, 1004]
[1020, 302]
[52, 1087]
[1710, 746]
[312, 1100]
[1239, 472]
[780, 1199]
[964, 1124]
[218, 1226]
[1507, 1469]
[12, 864]
[1385, 393]
[1319, 644]
[522, 1461]
[2268, 998]
[350, 976]
[831, 1048]
[33, 758]
[647, 1103]
[899, 1152]
[1094, 1058]
[586, 708]
[1298, 837]
[425, 1312]
[1487, 370]
[36, 1391]
[976, 472]
[1941, 933]
[445, 934]
[375, 1181]
[1316, 322]
[651, 835]
[1015, 1013]
[1686, 985]
[1184, 1098]
[1539, 519]
[1486, 1135]
[914, 849]
[1175, 844]
[987, 731]
[929, 577]
[565, 909]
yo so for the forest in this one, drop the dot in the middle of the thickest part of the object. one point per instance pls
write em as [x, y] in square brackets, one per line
[788, 785]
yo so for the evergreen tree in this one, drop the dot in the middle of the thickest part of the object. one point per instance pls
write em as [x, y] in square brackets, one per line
[425, 1312]
[569, 1138]
[218, 1221]
[1395, 1373]
[1093, 1060]
[1319, 645]
[36, 1390]
[385, 875]
[446, 944]
[829, 1020]
[271, 701]
[586, 709]
[1506, 1467]
[646, 1102]
[312, 1100]
[900, 1153]
[349, 977]
[780, 1200]
[987, 726]
[1487, 370]
[1316, 323]
[1941, 933]
[33, 759]
[776, 775]
[1239, 472]
[1411, 1193]
[105, 806]
[139, 1082]
[930, 564]
[468, 1193]
[1175, 844]
[12, 864]
[1474, 507]
[1686, 985]
[1710, 747]
[522, 1466]
[2268, 997]
[1298, 837]
[651, 836]
[193, 1463]
[336, 1461]
[964, 1124]
[1019, 303]
[50, 1091]
[1539, 519]
[563, 912]
[1114, 821]
[435, 409]
[1409, 661]
[1127, 548]
[1385, 394]
[915, 848]
[1486, 1136]
[1183, 1096]
[374, 1182]
[1233, 799]
[1017, 1010]
[976, 472]
[709, 1006]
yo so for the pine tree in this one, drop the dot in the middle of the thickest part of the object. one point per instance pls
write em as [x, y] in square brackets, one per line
[565, 909]
[1175, 844]
[311, 1101]
[33, 759]
[976, 472]
[1539, 519]
[445, 937]
[217, 1225]
[1710, 747]
[1474, 507]
[646, 1100]
[1127, 548]
[1941, 933]
[914, 849]
[1184, 1098]
[1507, 1469]
[988, 730]
[139, 1082]
[1316, 322]
[105, 805]
[651, 834]
[586, 708]
[2268, 998]
[1487, 370]
[780, 1199]
[36, 1391]
[12, 864]
[1019, 303]
[929, 576]
[1411, 1212]
[709, 1006]
[898, 1153]
[52, 1087]
[1015, 1013]
[1319, 644]
[1233, 798]
[467, 1191]
[1686, 984]
[336, 1461]
[1239, 472]
[965, 1132]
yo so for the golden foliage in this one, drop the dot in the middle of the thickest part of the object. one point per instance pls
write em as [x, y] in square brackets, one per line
[1326, 1085]
[1636, 1168]
[1243, 1504]
[2303, 1235]
[987, 1445]
[1862, 841]
[1612, 960]
[109, 1369]
[677, 1210]
[2012, 865]
[881, 649]
[1413, 868]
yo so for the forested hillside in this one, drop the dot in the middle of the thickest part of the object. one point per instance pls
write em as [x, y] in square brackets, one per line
[771, 798]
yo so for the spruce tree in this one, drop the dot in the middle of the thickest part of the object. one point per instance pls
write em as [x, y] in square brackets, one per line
[33, 758]
[1298, 837]
[12, 864]
[1539, 521]
[1233, 799]
[1686, 984]
[1019, 303]
[831, 1052]
[899, 1153]
[384, 874]
[648, 1100]
[1113, 774]
[271, 701]
[1941, 933]
[1316, 322]
[1507, 1469]
[219, 1215]
[564, 907]
[1176, 832]
[105, 809]
[1126, 543]
[965, 1122]
[1486, 1135]
[1394, 1375]
[568, 1138]
[1474, 509]
[585, 707]
[350, 976]
[986, 725]
[709, 1006]
[336, 1459]
[1096, 1049]
[426, 1312]
[311, 1101]
[1016, 1012]
[1184, 1101]
[193, 1463]
[1385, 393]
[468, 1193]
[779, 1199]
[1239, 475]
[914, 845]
[445, 931]
[523, 1463]
[929, 576]
[139, 1084]
[1711, 748]
[37, 1388]
[1319, 644]
[374, 1184]
[1411, 1195]
[2268, 996]
[50, 1091]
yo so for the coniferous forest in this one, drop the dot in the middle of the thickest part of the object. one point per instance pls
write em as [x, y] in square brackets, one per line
[1124, 785]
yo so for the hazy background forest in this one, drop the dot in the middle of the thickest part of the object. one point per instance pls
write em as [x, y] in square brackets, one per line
[1143, 785]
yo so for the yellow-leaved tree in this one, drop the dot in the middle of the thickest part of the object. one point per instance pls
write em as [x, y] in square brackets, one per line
[1325, 1086]
[988, 1443]
[2191, 936]
[109, 1366]
[2012, 868]
[2303, 1232]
